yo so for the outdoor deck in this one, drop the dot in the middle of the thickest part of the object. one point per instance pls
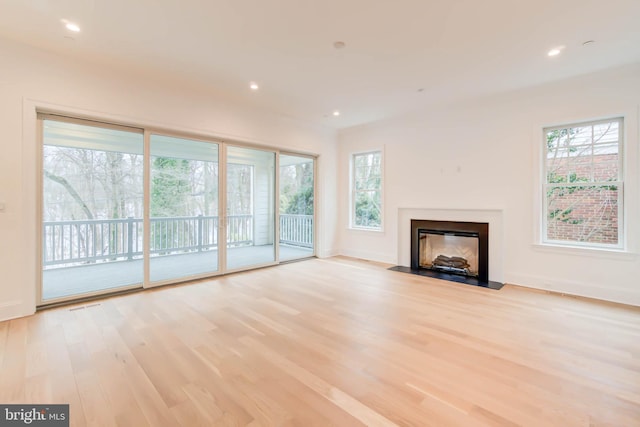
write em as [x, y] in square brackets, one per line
[62, 282]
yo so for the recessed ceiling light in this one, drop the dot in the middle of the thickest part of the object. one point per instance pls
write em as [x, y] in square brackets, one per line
[72, 27]
[555, 51]
[588, 42]
[339, 44]
[254, 86]
[336, 113]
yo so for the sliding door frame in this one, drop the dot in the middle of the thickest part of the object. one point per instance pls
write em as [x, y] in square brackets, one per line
[314, 158]
[276, 216]
[40, 118]
[148, 284]
[44, 113]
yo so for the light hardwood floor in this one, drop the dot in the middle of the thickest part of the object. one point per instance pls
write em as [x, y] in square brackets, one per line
[329, 342]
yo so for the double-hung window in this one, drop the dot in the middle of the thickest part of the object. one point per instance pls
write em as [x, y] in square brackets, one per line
[583, 184]
[366, 190]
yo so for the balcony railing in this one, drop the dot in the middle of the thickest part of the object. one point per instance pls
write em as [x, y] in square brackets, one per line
[296, 230]
[90, 241]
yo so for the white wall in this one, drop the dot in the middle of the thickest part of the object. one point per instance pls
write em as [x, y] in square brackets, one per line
[31, 78]
[482, 155]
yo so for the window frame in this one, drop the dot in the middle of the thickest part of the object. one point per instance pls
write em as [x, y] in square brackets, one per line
[619, 182]
[353, 191]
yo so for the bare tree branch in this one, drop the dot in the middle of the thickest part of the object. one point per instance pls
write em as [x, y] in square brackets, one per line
[72, 192]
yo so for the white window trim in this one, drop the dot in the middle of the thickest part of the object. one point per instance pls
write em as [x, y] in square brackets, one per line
[352, 204]
[630, 150]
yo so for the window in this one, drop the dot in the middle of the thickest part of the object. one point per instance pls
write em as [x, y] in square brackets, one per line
[92, 204]
[583, 184]
[366, 190]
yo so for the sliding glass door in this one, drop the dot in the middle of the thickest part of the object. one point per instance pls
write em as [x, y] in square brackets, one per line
[250, 206]
[123, 208]
[296, 206]
[183, 208]
[92, 208]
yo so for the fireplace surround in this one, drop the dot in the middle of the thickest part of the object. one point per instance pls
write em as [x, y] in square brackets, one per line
[451, 250]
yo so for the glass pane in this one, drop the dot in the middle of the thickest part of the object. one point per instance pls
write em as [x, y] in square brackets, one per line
[583, 154]
[183, 208]
[296, 207]
[361, 160]
[367, 209]
[605, 168]
[604, 133]
[583, 214]
[92, 209]
[367, 171]
[250, 219]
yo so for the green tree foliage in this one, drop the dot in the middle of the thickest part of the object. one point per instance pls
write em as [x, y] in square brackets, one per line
[296, 189]
[170, 187]
[368, 209]
[301, 202]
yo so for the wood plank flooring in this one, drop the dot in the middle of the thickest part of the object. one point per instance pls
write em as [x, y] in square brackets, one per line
[329, 342]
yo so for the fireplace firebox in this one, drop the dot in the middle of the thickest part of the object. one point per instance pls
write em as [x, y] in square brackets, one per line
[451, 247]
[450, 251]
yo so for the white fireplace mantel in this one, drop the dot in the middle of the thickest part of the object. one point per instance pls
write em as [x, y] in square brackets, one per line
[494, 217]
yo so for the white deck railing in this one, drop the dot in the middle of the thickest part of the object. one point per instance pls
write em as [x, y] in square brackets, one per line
[296, 230]
[90, 241]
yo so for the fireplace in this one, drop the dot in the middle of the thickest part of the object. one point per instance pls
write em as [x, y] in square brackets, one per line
[486, 223]
[451, 247]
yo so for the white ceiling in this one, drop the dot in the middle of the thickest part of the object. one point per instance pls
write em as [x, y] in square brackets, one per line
[450, 49]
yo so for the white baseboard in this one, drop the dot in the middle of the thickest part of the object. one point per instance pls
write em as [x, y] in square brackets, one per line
[14, 309]
[605, 292]
[371, 256]
[328, 253]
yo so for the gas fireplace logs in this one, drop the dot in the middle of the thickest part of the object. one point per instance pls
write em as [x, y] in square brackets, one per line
[451, 262]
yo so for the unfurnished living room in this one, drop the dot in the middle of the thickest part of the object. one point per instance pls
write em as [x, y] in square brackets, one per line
[314, 213]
